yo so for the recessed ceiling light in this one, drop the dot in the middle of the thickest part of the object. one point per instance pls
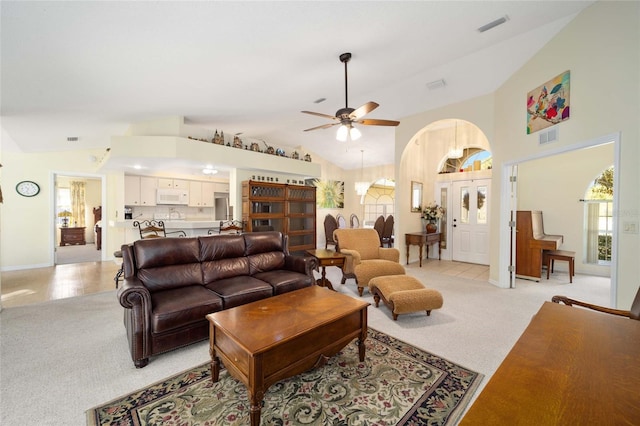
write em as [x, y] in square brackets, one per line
[137, 166]
[493, 24]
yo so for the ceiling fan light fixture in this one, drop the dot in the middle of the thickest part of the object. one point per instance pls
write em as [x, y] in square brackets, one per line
[343, 132]
[354, 133]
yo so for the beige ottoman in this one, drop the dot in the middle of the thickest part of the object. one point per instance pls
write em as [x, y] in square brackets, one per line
[404, 294]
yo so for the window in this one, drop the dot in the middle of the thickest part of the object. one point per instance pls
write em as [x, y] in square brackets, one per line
[599, 219]
[468, 160]
[379, 201]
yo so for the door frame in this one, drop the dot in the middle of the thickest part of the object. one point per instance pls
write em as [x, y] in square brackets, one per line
[508, 201]
[53, 220]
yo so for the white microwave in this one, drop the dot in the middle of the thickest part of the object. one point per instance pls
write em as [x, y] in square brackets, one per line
[172, 196]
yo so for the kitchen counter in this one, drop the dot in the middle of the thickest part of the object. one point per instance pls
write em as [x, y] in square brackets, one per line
[193, 228]
[170, 224]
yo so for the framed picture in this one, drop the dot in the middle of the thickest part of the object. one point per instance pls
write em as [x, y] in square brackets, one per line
[548, 104]
[329, 193]
[416, 196]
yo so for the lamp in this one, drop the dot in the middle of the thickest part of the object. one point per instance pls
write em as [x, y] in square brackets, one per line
[362, 187]
[65, 215]
[347, 131]
[455, 152]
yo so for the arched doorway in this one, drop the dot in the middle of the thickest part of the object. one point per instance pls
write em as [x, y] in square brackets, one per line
[451, 157]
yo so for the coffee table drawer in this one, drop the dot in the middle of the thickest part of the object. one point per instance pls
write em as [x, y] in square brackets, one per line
[304, 351]
[229, 349]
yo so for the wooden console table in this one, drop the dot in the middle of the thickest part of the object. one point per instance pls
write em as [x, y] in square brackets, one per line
[421, 239]
[70, 235]
[570, 366]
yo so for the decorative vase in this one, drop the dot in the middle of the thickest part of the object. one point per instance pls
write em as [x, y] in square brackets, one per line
[431, 227]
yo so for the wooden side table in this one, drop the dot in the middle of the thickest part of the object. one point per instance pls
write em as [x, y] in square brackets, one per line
[327, 258]
[69, 235]
[421, 239]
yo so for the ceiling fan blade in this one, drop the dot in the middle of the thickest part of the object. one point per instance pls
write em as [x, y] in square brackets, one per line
[376, 122]
[363, 110]
[319, 114]
[324, 126]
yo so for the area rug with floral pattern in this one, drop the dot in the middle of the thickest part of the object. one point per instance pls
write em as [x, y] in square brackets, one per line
[397, 384]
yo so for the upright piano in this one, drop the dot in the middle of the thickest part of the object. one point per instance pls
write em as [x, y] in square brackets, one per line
[530, 243]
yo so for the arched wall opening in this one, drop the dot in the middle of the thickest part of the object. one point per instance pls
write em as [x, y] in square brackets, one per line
[426, 158]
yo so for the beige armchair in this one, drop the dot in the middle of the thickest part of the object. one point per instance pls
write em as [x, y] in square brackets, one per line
[366, 258]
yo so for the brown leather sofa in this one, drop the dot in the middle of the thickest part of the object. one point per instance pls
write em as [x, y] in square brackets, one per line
[171, 284]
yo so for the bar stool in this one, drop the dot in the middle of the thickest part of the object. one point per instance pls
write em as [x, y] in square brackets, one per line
[118, 255]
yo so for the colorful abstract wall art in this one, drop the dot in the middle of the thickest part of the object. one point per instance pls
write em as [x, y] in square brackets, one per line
[329, 193]
[548, 104]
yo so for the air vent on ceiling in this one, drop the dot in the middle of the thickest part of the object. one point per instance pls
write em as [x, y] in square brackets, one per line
[438, 84]
[493, 24]
[548, 136]
[72, 139]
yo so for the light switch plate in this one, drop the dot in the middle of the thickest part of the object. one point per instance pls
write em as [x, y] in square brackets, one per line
[630, 227]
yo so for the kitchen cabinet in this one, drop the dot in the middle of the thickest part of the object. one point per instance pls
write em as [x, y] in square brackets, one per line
[290, 209]
[221, 187]
[201, 194]
[140, 190]
[173, 183]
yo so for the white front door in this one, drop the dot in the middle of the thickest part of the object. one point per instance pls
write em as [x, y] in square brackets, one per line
[470, 221]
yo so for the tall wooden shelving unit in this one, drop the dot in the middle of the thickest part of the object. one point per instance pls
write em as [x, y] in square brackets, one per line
[290, 209]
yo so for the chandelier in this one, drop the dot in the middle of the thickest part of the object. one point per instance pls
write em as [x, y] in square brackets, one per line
[362, 187]
[455, 152]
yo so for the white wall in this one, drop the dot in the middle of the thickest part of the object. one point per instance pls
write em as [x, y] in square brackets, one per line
[604, 60]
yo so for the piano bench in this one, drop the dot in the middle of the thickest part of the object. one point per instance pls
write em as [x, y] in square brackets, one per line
[550, 256]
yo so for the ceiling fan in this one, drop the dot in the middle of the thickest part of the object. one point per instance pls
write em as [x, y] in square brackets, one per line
[346, 117]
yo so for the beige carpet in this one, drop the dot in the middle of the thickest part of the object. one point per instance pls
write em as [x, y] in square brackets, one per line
[60, 358]
[77, 254]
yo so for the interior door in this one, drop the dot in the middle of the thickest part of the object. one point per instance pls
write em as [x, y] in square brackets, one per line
[470, 221]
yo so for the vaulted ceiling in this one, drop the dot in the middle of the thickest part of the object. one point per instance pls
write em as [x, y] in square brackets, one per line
[89, 69]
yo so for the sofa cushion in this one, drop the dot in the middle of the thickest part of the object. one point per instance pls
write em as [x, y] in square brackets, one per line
[264, 262]
[166, 263]
[223, 257]
[176, 308]
[261, 242]
[218, 247]
[236, 291]
[284, 281]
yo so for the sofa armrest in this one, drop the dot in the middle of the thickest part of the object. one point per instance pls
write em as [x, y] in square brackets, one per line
[303, 264]
[133, 293]
[136, 300]
[351, 260]
[391, 253]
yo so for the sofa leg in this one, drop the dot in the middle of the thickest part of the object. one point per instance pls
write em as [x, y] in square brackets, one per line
[140, 363]
[395, 317]
[429, 313]
[360, 291]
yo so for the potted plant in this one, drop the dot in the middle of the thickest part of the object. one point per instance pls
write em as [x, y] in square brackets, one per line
[431, 213]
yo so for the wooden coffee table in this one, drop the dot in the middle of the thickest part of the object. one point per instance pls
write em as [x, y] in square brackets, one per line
[263, 342]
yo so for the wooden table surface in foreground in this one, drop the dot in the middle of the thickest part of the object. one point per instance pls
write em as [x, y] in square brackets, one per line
[263, 342]
[571, 366]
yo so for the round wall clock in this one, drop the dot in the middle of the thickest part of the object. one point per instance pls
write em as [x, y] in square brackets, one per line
[26, 188]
